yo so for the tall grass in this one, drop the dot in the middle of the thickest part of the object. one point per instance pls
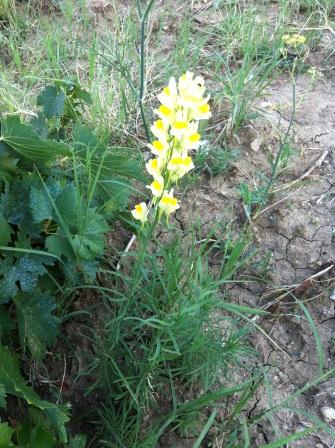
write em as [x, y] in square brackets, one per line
[169, 333]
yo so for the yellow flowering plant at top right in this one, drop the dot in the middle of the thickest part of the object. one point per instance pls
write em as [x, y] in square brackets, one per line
[182, 105]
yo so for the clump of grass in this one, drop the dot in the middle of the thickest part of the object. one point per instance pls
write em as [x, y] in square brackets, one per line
[169, 332]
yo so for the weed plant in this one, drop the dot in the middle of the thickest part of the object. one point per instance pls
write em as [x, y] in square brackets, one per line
[172, 344]
[169, 332]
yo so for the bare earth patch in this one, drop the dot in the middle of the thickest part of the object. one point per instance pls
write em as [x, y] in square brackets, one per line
[297, 228]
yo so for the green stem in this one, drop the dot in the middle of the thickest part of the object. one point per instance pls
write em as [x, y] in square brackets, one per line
[282, 146]
[143, 18]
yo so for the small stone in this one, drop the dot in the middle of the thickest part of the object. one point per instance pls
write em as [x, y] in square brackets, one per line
[328, 413]
[256, 144]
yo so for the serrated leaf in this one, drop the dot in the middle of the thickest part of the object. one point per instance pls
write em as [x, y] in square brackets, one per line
[41, 208]
[40, 125]
[84, 140]
[40, 204]
[5, 231]
[23, 273]
[2, 397]
[68, 205]
[78, 442]
[91, 241]
[52, 100]
[59, 245]
[17, 193]
[24, 141]
[6, 436]
[38, 327]
[14, 384]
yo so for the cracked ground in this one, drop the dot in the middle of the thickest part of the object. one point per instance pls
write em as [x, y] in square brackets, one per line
[297, 229]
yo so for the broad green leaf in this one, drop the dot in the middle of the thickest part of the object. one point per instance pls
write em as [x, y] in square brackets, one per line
[34, 437]
[59, 245]
[24, 141]
[90, 241]
[85, 141]
[11, 202]
[117, 165]
[6, 436]
[14, 384]
[41, 208]
[40, 125]
[68, 205]
[38, 327]
[52, 100]
[23, 273]
[4, 149]
[2, 397]
[5, 231]
[8, 167]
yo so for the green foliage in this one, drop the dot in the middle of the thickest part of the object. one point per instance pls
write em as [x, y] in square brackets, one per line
[24, 271]
[38, 327]
[6, 436]
[215, 160]
[170, 332]
[25, 143]
[52, 100]
[31, 434]
[5, 231]
[60, 103]
[14, 384]
[57, 189]
[2, 397]
[252, 197]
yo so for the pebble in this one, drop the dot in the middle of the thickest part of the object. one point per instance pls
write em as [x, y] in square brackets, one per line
[328, 413]
[256, 144]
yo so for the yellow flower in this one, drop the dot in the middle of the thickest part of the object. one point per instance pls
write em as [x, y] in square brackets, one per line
[202, 111]
[157, 186]
[159, 148]
[191, 91]
[166, 113]
[180, 127]
[160, 129]
[192, 141]
[168, 96]
[153, 167]
[294, 40]
[140, 212]
[168, 204]
[179, 166]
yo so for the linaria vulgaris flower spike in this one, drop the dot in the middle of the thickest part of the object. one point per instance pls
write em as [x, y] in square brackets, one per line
[182, 106]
